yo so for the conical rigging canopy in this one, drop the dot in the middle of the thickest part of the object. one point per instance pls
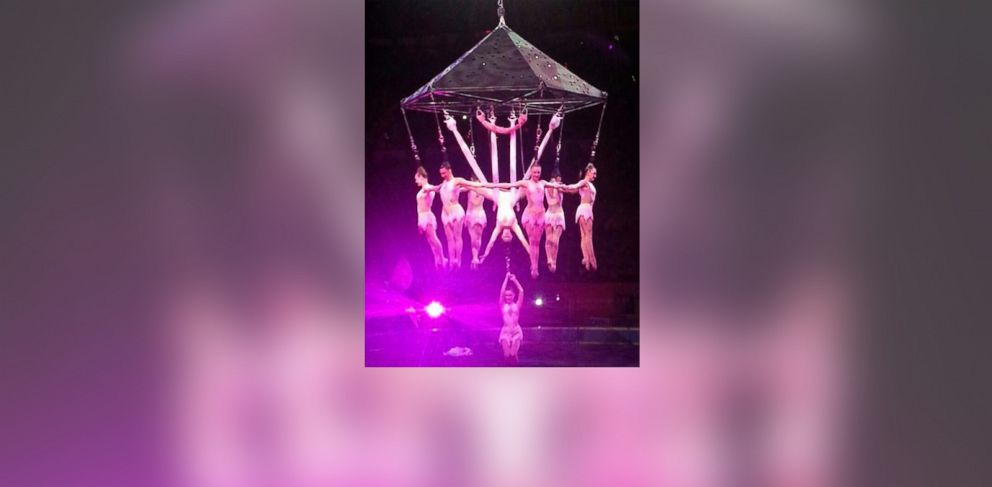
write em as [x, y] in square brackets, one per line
[503, 69]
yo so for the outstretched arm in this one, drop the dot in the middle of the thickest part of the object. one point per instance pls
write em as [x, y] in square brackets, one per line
[570, 188]
[502, 290]
[515, 184]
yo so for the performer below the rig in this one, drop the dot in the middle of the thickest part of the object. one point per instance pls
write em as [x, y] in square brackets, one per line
[511, 334]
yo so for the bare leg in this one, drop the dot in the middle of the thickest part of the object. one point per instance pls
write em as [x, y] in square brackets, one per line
[583, 242]
[475, 233]
[548, 236]
[552, 237]
[514, 347]
[592, 250]
[449, 235]
[458, 226]
[431, 235]
[505, 344]
[534, 235]
[520, 235]
[492, 241]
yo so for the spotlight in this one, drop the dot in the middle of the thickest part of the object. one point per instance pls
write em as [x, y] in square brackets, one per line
[434, 309]
[464, 117]
[539, 301]
[557, 297]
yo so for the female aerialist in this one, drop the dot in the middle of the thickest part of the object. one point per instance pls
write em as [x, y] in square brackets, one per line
[475, 218]
[511, 334]
[452, 213]
[583, 214]
[506, 219]
[426, 221]
[554, 221]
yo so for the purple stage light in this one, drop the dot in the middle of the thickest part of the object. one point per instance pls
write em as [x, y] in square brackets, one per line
[539, 301]
[434, 309]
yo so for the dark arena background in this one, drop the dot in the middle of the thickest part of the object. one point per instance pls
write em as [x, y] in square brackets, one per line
[572, 317]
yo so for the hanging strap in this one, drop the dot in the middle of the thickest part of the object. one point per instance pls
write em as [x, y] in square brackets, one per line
[493, 154]
[513, 147]
[413, 145]
[523, 112]
[595, 141]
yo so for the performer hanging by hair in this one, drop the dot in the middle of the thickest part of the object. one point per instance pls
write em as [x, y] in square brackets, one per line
[426, 221]
[554, 221]
[452, 213]
[510, 335]
[475, 217]
[583, 215]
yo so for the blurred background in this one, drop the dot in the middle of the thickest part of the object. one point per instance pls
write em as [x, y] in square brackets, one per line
[584, 318]
[183, 239]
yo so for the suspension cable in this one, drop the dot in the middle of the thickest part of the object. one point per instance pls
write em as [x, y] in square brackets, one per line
[471, 136]
[595, 140]
[440, 134]
[413, 145]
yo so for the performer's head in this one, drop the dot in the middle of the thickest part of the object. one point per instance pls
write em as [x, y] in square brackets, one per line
[445, 170]
[535, 171]
[589, 172]
[421, 176]
[507, 236]
[556, 175]
[508, 296]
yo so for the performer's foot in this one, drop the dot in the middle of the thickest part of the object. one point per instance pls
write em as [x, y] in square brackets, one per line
[552, 267]
[533, 273]
[475, 263]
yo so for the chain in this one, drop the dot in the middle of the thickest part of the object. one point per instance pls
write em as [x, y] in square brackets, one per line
[499, 9]
[440, 134]
[413, 145]
[471, 137]
[595, 140]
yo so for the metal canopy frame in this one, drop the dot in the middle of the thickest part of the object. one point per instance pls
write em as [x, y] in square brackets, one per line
[504, 71]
